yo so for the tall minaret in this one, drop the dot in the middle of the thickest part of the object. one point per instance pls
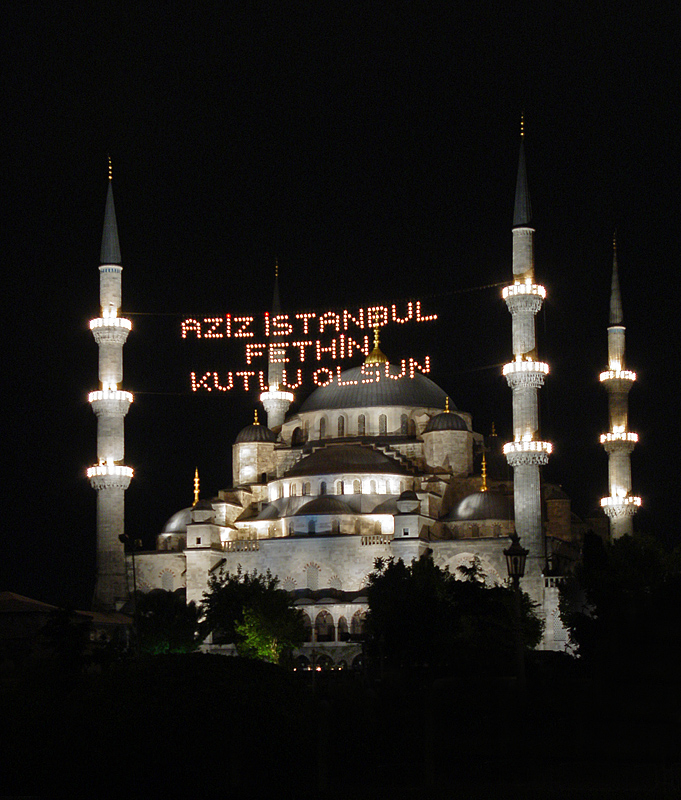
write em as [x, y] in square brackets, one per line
[275, 400]
[110, 477]
[525, 375]
[619, 442]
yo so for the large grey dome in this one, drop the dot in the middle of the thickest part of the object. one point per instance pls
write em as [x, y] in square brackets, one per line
[416, 391]
[481, 506]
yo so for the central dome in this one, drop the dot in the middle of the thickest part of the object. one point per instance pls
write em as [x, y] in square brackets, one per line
[387, 391]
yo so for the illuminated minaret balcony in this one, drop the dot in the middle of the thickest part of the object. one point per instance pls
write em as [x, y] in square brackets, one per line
[528, 451]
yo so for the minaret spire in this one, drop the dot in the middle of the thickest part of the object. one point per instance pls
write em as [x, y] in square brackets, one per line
[109, 476]
[275, 400]
[525, 375]
[619, 441]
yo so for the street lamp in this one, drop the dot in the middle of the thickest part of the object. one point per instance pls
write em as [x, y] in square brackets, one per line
[516, 555]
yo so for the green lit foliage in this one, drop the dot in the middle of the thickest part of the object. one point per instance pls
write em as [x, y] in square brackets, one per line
[167, 623]
[249, 610]
[422, 614]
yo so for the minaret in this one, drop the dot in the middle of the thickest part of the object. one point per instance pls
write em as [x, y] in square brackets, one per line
[619, 442]
[525, 375]
[110, 477]
[275, 400]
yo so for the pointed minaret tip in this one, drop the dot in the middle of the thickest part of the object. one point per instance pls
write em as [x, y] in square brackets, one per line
[196, 486]
[110, 252]
[522, 210]
[483, 488]
[616, 315]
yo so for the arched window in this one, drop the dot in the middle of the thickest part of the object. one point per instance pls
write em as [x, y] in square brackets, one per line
[343, 632]
[404, 424]
[313, 577]
[307, 624]
[382, 425]
[322, 428]
[412, 428]
[311, 527]
[357, 487]
[341, 427]
[335, 525]
[307, 488]
[322, 487]
[294, 490]
[372, 487]
[324, 628]
[340, 487]
[361, 425]
[357, 623]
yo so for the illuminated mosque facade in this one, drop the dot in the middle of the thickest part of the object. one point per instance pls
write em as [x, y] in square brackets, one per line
[375, 464]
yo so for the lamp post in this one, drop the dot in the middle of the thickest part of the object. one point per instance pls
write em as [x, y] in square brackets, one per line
[516, 555]
[134, 544]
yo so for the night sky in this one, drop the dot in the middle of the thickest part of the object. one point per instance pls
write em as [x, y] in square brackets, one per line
[370, 148]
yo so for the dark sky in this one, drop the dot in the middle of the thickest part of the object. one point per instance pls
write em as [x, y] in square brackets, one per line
[372, 149]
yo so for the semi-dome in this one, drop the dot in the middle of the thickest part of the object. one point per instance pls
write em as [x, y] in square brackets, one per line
[256, 433]
[482, 506]
[327, 504]
[447, 421]
[386, 391]
[350, 458]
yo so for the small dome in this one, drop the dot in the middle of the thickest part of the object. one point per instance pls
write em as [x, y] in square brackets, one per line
[447, 421]
[481, 506]
[340, 459]
[256, 433]
[179, 521]
[326, 504]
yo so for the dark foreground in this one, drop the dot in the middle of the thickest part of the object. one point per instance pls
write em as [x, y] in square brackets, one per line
[223, 727]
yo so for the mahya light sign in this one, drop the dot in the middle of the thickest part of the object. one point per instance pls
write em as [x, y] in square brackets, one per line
[305, 338]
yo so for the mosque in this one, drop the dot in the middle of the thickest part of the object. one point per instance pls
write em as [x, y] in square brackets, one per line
[376, 464]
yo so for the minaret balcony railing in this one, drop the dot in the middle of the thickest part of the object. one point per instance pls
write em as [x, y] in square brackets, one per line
[531, 446]
[617, 375]
[628, 501]
[522, 367]
[114, 470]
[275, 394]
[110, 394]
[619, 436]
[523, 289]
[110, 322]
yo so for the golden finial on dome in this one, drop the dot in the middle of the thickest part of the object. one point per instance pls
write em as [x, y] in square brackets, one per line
[276, 268]
[110, 168]
[255, 417]
[483, 488]
[522, 124]
[447, 409]
[196, 486]
[376, 356]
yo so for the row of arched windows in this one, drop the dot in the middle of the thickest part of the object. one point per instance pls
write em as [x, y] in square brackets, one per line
[326, 631]
[407, 426]
[339, 487]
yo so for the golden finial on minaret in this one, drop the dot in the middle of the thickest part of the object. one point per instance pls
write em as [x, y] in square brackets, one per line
[255, 417]
[110, 167]
[276, 268]
[196, 486]
[483, 488]
[522, 124]
[376, 356]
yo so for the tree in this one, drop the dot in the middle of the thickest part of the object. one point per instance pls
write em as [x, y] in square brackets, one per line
[621, 607]
[167, 623]
[249, 610]
[422, 614]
